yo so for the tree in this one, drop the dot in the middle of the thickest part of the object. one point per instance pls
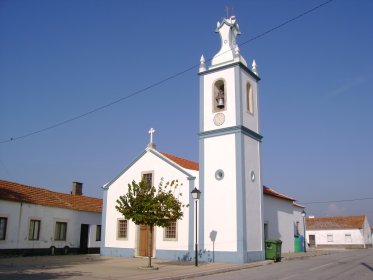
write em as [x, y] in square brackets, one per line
[146, 205]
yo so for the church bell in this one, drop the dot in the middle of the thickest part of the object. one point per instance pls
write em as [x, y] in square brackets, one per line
[220, 99]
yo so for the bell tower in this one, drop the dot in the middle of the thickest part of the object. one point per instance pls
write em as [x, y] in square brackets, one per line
[229, 142]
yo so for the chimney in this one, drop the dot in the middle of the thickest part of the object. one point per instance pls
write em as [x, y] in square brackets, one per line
[77, 188]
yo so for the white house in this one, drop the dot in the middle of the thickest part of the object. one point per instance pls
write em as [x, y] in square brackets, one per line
[339, 232]
[283, 219]
[39, 221]
[232, 213]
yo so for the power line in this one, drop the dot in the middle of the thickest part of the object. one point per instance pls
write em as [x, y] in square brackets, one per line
[287, 22]
[338, 201]
[159, 82]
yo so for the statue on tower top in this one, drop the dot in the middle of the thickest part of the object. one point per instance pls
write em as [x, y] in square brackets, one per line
[229, 51]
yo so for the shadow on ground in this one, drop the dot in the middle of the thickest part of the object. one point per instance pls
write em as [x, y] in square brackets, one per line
[19, 275]
[44, 267]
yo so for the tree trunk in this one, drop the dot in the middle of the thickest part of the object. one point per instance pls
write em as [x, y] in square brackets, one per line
[150, 245]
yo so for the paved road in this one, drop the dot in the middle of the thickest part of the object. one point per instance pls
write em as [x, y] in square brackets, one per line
[348, 265]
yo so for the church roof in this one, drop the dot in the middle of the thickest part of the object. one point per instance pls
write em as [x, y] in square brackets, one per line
[21, 193]
[271, 192]
[340, 222]
[185, 163]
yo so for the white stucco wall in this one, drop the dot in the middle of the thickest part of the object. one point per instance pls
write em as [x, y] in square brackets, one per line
[279, 216]
[220, 206]
[20, 214]
[254, 196]
[160, 169]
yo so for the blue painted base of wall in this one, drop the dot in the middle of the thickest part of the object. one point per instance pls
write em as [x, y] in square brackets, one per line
[187, 256]
[117, 252]
[175, 255]
[231, 257]
[254, 256]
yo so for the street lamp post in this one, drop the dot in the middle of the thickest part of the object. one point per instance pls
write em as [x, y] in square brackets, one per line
[304, 230]
[196, 195]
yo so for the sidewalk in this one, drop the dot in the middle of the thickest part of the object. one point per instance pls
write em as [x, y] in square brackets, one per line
[84, 267]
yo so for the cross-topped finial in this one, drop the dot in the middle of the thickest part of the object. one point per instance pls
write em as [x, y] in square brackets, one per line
[151, 132]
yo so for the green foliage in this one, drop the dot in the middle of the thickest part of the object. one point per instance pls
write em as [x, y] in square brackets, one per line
[148, 205]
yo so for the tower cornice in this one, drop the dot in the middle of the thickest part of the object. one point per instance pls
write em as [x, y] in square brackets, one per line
[226, 66]
[229, 130]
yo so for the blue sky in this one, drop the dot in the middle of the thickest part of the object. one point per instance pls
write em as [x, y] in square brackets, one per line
[61, 59]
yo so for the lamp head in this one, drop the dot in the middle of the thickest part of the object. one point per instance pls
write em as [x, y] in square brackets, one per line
[196, 193]
[303, 213]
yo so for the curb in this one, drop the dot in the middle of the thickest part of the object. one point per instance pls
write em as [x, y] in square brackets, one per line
[217, 271]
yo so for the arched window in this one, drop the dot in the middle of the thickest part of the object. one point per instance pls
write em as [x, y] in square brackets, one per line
[219, 96]
[250, 99]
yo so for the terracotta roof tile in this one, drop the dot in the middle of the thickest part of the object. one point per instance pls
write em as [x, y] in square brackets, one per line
[188, 164]
[341, 222]
[33, 195]
[271, 192]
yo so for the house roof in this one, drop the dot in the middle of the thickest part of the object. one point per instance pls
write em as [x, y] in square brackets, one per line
[33, 195]
[271, 192]
[185, 163]
[341, 222]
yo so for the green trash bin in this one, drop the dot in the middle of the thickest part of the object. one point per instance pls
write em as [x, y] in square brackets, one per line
[298, 244]
[273, 250]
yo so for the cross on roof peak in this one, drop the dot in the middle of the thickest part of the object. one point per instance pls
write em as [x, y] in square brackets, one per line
[151, 143]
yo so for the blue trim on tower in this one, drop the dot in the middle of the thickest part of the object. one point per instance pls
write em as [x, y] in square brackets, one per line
[201, 102]
[238, 95]
[241, 196]
[226, 66]
[229, 130]
[201, 208]
[201, 173]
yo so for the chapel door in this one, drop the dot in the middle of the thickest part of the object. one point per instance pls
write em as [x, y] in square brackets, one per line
[144, 240]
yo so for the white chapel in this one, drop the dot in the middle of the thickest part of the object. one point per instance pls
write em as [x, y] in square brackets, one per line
[236, 213]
